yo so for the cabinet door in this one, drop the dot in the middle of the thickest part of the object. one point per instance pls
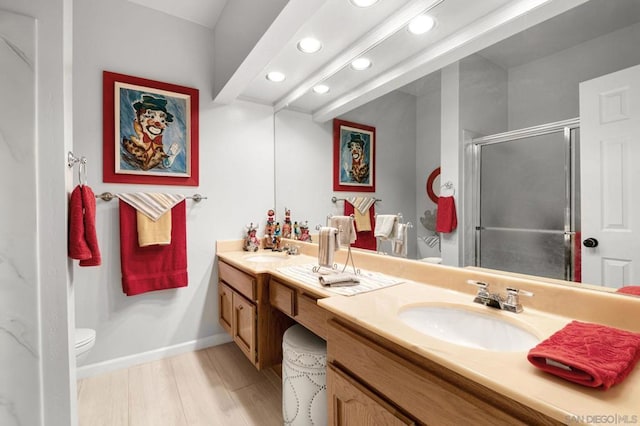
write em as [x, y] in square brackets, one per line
[225, 307]
[351, 404]
[244, 326]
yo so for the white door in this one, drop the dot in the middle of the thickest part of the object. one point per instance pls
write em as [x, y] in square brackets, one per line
[610, 178]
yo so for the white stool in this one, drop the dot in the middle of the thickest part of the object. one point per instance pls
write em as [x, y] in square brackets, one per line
[304, 378]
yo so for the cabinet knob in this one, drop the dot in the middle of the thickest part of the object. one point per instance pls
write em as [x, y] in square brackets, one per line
[240, 308]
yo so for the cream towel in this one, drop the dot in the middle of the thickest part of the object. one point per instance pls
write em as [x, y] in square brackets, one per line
[361, 206]
[328, 244]
[363, 221]
[153, 232]
[347, 230]
[385, 225]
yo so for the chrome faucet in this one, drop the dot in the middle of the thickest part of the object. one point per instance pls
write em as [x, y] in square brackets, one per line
[509, 303]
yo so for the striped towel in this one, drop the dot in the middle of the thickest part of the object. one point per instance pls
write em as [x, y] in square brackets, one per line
[362, 204]
[151, 204]
[328, 243]
[399, 243]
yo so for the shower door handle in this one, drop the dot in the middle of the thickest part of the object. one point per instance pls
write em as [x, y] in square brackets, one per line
[590, 242]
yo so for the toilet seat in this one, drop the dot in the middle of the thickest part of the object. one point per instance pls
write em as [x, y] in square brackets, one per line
[84, 337]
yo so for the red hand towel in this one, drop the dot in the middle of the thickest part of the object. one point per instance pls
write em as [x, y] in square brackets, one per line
[156, 267]
[630, 289]
[90, 234]
[78, 248]
[83, 240]
[446, 221]
[365, 239]
[589, 354]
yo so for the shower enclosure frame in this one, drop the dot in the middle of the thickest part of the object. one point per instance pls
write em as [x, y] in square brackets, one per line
[568, 129]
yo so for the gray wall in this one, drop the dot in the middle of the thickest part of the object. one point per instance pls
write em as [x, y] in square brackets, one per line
[304, 161]
[152, 325]
[546, 90]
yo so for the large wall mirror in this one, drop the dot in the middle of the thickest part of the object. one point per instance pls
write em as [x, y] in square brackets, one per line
[528, 80]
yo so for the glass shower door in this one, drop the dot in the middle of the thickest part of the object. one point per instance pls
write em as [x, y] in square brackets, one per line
[525, 204]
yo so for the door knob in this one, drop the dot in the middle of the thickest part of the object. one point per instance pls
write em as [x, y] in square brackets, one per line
[590, 243]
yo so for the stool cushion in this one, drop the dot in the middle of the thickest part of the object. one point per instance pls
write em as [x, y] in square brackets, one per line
[304, 378]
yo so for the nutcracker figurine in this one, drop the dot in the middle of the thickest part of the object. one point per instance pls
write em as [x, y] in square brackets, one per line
[286, 227]
[270, 229]
[251, 242]
[304, 233]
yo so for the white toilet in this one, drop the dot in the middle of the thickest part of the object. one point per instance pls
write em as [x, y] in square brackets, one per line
[85, 339]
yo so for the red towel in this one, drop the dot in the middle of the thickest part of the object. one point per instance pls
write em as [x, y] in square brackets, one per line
[630, 289]
[156, 267]
[446, 221]
[364, 239]
[83, 240]
[589, 354]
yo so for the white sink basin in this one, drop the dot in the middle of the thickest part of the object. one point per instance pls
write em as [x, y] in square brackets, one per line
[468, 328]
[266, 258]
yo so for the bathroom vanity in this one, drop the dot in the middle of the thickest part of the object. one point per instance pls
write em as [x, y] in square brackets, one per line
[246, 314]
[381, 368]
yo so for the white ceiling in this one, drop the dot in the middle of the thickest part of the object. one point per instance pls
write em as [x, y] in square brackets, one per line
[203, 12]
[378, 32]
[592, 19]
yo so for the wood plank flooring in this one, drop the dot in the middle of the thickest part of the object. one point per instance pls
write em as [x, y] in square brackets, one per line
[213, 386]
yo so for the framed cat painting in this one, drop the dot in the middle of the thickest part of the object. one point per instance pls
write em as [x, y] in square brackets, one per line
[150, 131]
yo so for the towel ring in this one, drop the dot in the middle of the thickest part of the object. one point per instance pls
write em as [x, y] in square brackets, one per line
[448, 186]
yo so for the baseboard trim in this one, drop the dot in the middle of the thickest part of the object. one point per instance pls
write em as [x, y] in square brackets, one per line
[154, 355]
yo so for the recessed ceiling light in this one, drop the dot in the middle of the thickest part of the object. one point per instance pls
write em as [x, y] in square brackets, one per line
[360, 64]
[321, 89]
[275, 76]
[309, 45]
[364, 3]
[421, 24]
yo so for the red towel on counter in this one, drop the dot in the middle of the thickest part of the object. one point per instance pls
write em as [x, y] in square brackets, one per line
[83, 240]
[446, 221]
[630, 289]
[156, 267]
[592, 355]
[364, 239]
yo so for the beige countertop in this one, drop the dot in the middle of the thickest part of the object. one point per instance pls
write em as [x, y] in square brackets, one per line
[508, 373]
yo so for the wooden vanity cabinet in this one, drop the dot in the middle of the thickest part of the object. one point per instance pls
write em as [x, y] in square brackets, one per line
[373, 381]
[298, 305]
[354, 404]
[245, 313]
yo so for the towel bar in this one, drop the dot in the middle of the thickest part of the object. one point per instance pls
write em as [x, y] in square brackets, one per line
[108, 196]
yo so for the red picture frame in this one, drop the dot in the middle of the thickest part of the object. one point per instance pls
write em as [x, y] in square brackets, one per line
[137, 114]
[353, 157]
[433, 185]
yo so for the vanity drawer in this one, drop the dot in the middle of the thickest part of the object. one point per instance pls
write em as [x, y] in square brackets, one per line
[243, 283]
[282, 297]
[311, 315]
